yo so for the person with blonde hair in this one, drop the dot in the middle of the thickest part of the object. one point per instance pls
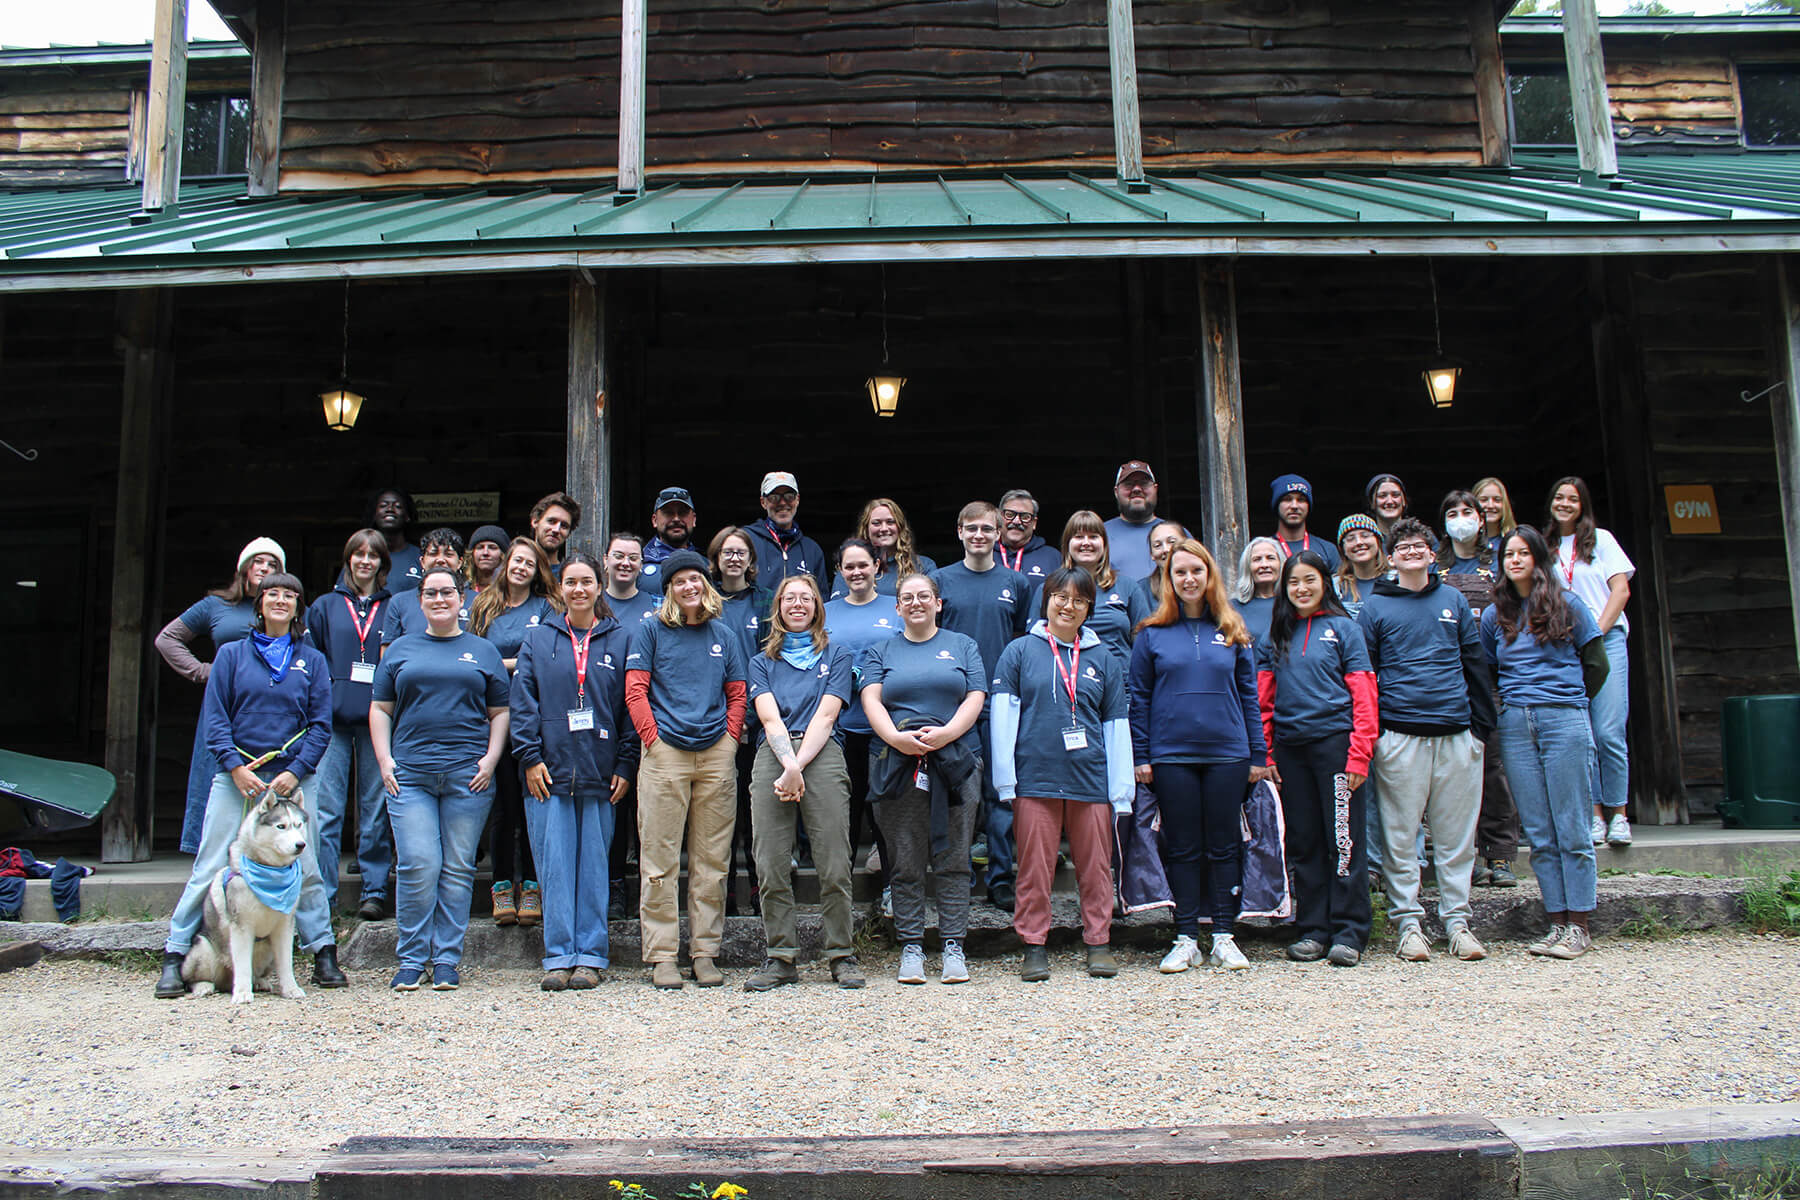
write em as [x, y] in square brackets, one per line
[685, 684]
[1496, 510]
[884, 526]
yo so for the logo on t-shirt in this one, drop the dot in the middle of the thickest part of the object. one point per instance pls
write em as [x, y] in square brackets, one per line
[606, 661]
[946, 656]
[1113, 599]
[717, 650]
[532, 623]
[1448, 617]
[1006, 594]
[467, 657]
[1090, 673]
[882, 623]
[300, 665]
[1219, 639]
[1330, 635]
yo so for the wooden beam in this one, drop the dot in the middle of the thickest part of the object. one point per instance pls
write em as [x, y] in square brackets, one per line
[1784, 403]
[633, 21]
[1658, 781]
[1490, 85]
[144, 319]
[268, 73]
[1225, 517]
[589, 460]
[167, 106]
[1587, 88]
[1128, 133]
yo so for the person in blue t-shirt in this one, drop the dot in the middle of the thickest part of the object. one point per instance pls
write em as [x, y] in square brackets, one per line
[521, 596]
[222, 616]
[1119, 604]
[1550, 656]
[990, 604]
[266, 721]
[859, 620]
[1253, 595]
[732, 554]
[1162, 539]
[442, 550]
[1135, 490]
[389, 512]
[799, 682]
[685, 682]
[1062, 756]
[884, 527]
[621, 566]
[438, 719]
[923, 693]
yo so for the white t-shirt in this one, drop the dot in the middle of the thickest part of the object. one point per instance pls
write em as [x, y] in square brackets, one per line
[1589, 579]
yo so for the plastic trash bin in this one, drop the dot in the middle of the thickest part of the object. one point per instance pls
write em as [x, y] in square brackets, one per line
[1760, 737]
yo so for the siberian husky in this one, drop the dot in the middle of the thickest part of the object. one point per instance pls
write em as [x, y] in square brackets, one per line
[241, 937]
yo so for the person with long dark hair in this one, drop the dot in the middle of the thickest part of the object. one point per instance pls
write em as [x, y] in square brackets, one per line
[1591, 564]
[1550, 657]
[1320, 717]
[1385, 500]
[732, 553]
[1197, 739]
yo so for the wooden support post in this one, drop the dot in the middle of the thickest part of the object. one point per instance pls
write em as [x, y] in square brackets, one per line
[144, 319]
[1587, 88]
[589, 463]
[1225, 523]
[1490, 85]
[167, 106]
[268, 72]
[633, 21]
[1128, 133]
[1657, 779]
[1784, 403]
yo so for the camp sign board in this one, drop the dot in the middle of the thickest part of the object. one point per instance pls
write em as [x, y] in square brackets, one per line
[456, 508]
[1692, 508]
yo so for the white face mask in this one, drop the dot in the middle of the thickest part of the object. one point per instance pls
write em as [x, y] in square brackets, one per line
[1462, 529]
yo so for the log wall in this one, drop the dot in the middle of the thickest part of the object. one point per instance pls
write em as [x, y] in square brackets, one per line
[416, 92]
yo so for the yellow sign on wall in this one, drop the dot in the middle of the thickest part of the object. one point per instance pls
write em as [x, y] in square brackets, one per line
[1692, 508]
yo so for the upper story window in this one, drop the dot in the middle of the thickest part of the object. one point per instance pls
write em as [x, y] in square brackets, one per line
[1542, 113]
[215, 136]
[1771, 97]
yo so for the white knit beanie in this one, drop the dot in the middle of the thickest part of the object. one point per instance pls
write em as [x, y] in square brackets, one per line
[263, 545]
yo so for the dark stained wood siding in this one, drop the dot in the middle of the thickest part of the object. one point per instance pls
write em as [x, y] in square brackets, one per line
[418, 92]
[54, 129]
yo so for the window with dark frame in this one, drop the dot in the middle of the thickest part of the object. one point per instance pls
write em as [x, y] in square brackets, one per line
[1771, 98]
[215, 136]
[1542, 112]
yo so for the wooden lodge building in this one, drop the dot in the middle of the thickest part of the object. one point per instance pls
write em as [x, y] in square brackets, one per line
[616, 246]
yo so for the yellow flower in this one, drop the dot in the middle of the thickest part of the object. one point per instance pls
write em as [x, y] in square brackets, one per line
[729, 1191]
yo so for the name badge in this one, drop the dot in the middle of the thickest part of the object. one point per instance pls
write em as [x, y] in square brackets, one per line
[580, 719]
[1074, 739]
[362, 672]
[921, 779]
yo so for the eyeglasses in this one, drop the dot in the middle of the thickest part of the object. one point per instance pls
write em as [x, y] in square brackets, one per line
[1410, 548]
[728, 553]
[1018, 518]
[438, 594]
[979, 529]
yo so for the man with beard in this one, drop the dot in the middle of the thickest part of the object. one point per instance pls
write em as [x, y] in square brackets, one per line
[1020, 547]
[553, 519]
[389, 512]
[1291, 497]
[1128, 534]
[674, 520]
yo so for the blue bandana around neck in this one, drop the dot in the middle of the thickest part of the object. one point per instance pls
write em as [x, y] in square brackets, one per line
[797, 651]
[277, 887]
[277, 653]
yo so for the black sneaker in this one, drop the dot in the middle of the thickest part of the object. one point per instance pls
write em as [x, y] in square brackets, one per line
[774, 973]
[1306, 950]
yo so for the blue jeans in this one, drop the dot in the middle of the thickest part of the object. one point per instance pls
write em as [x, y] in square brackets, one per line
[996, 817]
[571, 839]
[351, 757]
[1607, 713]
[224, 812]
[202, 766]
[1549, 752]
[437, 822]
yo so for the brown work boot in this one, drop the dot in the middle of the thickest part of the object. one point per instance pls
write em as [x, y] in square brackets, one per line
[531, 904]
[665, 975]
[583, 978]
[706, 974]
[555, 980]
[506, 908]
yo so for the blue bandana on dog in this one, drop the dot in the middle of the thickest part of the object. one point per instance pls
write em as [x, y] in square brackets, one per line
[277, 887]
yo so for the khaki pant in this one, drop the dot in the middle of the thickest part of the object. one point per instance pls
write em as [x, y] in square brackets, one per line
[826, 810]
[692, 793]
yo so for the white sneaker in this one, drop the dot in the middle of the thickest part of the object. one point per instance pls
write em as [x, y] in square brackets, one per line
[1465, 946]
[1225, 953]
[1413, 946]
[1543, 944]
[1618, 831]
[1184, 954]
[1597, 830]
[912, 964]
[956, 967]
[1575, 943]
[887, 903]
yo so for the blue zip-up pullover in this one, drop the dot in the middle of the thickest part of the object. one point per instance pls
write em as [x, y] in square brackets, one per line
[1426, 650]
[544, 692]
[247, 712]
[330, 627]
[1031, 711]
[802, 557]
[1193, 696]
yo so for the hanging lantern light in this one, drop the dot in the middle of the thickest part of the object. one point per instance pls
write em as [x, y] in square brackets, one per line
[342, 405]
[1440, 378]
[884, 388]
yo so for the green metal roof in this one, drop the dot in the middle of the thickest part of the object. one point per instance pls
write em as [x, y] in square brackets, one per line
[96, 236]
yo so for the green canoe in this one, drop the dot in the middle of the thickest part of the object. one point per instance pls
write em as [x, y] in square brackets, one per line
[47, 795]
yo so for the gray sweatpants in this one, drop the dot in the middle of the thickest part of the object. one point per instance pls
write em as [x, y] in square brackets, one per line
[1438, 780]
[906, 823]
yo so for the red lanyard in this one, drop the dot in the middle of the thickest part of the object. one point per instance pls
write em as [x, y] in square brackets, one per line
[362, 627]
[1067, 676]
[1305, 544]
[1569, 572]
[581, 664]
[776, 535]
[1018, 562]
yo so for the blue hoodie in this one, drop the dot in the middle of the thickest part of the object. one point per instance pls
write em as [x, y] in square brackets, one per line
[803, 556]
[247, 712]
[1193, 696]
[582, 762]
[331, 627]
[1426, 651]
[1031, 711]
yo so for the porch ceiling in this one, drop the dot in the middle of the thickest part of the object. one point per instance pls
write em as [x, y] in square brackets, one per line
[97, 237]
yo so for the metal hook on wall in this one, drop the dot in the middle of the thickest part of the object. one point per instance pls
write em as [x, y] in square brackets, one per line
[1747, 398]
[27, 455]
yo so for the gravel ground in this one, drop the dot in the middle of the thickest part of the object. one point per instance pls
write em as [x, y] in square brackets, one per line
[1701, 1019]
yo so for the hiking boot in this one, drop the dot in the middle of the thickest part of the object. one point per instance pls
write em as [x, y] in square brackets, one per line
[373, 908]
[1575, 942]
[1618, 831]
[1597, 830]
[531, 904]
[583, 979]
[445, 978]
[506, 908]
[1481, 875]
[912, 964]
[1100, 962]
[326, 972]
[1465, 946]
[1344, 956]
[1184, 954]
[170, 985]
[1036, 967]
[1002, 896]
[1413, 946]
[955, 968]
[706, 973]
[847, 972]
[774, 973]
[665, 975]
[1306, 950]
[1500, 874]
[1225, 953]
[1543, 944]
[556, 980]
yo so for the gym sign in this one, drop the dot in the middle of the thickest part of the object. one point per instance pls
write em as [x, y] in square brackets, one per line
[1692, 508]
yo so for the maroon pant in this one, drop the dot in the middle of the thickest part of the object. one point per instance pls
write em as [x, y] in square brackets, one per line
[1039, 826]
